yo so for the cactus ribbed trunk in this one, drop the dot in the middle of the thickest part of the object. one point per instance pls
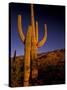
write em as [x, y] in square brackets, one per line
[27, 57]
[34, 67]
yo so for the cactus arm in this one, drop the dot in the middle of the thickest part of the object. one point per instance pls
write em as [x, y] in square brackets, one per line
[32, 23]
[41, 43]
[36, 31]
[32, 18]
[27, 57]
[20, 29]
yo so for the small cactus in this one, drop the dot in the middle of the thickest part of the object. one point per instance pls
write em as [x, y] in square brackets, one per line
[14, 57]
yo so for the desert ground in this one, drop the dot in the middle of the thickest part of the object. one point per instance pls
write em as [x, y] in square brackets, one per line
[51, 69]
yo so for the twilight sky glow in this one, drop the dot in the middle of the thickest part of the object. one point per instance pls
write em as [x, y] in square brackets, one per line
[53, 16]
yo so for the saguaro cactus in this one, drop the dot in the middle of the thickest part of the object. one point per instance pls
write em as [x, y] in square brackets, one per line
[31, 45]
[27, 49]
[35, 44]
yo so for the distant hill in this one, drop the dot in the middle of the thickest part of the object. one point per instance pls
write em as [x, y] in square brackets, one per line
[51, 68]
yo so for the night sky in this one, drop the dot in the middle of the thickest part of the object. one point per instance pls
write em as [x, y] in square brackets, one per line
[53, 16]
